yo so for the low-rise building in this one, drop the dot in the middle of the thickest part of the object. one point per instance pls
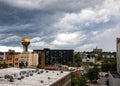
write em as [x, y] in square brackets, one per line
[29, 59]
[96, 50]
[12, 59]
[34, 77]
[9, 59]
[88, 60]
[2, 57]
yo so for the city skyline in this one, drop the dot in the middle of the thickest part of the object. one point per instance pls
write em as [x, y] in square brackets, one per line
[66, 24]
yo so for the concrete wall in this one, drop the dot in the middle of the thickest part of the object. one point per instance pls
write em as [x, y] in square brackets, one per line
[113, 81]
[65, 81]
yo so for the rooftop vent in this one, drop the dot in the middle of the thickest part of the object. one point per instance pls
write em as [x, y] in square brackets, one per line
[19, 78]
[49, 78]
[38, 73]
[42, 81]
[27, 75]
[11, 80]
[31, 74]
[7, 76]
[37, 69]
[22, 77]
[61, 72]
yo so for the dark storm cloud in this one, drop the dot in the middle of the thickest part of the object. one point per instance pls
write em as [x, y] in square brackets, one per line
[48, 20]
[53, 5]
[10, 15]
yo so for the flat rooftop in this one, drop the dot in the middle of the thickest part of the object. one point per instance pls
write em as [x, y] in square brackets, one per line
[29, 77]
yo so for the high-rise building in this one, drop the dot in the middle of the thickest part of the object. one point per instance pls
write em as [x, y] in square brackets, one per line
[54, 56]
[114, 76]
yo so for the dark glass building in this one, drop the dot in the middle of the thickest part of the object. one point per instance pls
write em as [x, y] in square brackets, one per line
[54, 56]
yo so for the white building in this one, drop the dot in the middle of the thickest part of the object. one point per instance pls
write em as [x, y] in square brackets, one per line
[89, 60]
[114, 77]
[33, 77]
[30, 58]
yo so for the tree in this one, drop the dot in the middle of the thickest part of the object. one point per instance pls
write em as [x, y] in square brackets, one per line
[93, 74]
[4, 65]
[70, 64]
[78, 81]
[78, 59]
[109, 65]
[21, 65]
[38, 66]
[1, 65]
[26, 64]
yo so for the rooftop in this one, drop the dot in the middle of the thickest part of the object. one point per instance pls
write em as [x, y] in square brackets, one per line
[29, 77]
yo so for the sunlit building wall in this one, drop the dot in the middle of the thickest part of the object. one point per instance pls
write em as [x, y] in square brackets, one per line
[29, 58]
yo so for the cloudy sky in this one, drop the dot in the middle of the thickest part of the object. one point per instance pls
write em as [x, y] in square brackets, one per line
[60, 24]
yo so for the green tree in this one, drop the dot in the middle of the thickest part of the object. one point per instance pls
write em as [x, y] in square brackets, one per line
[38, 66]
[70, 64]
[21, 65]
[1, 65]
[26, 64]
[4, 65]
[77, 59]
[92, 74]
[109, 65]
[78, 81]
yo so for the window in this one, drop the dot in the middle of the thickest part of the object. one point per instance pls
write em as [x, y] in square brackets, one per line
[10, 59]
[16, 59]
[16, 63]
[10, 64]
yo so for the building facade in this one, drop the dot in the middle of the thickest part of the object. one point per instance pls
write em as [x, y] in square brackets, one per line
[96, 50]
[2, 57]
[88, 60]
[12, 59]
[29, 59]
[114, 77]
[53, 56]
[118, 55]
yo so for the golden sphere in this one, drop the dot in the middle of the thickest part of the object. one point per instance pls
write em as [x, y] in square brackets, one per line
[25, 41]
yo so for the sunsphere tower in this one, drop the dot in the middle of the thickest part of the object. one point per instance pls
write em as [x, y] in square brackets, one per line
[25, 42]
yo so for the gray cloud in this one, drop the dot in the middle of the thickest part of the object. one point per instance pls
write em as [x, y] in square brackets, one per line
[53, 5]
[76, 24]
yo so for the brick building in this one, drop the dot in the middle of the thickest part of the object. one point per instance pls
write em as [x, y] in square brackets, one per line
[96, 50]
[12, 59]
